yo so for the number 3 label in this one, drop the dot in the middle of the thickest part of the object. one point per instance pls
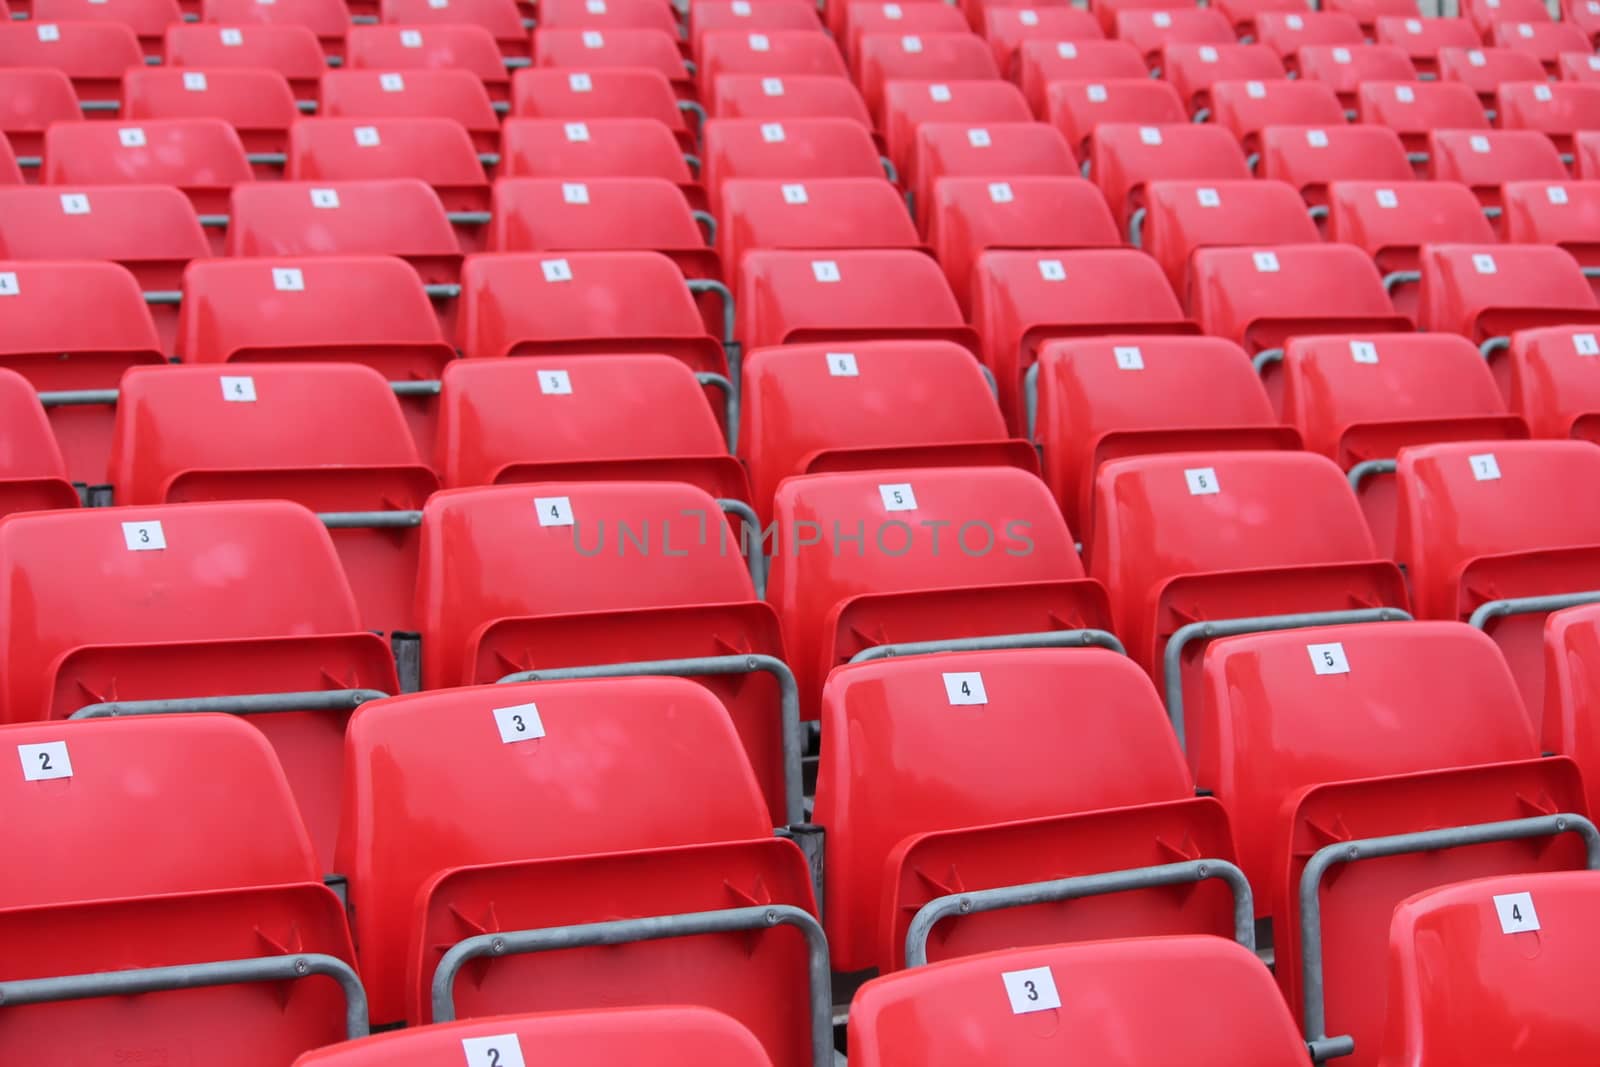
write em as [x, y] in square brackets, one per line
[1031, 990]
[520, 722]
[503, 1050]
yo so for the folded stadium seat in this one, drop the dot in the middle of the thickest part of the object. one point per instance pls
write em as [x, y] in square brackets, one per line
[1571, 654]
[436, 150]
[607, 15]
[74, 327]
[1150, 31]
[1552, 381]
[1194, 68]
[790, 96]
[950, 1014]
[909, 104]
[1005, 565]
[1345, 68]
[1360, 398]
[598, 418]
[186, 871]
[151, 230]
[202, 157]
[969, 216]
[1108, 10]
[675, 1036]
[1078, 108]
[1444, 1004]
[769, 54]
[801, 149]
[1560, 111]
[30, 100]
[239, 432]
[1106, 398]
[1245, 15]
[269, 625]
[1579, 66]
[837, 19]
[1486, 69]
[1586, 152]
[1312, 157]
[1421, 38]
[1017, 788]
[1185, 216]
[740, 15]
[1488, 292]
[991, 150]
[1485, 14]
[932, 57]
[575, 303]
[1493, 532]
[10, 173]
[1323, 742]
[593, 49]
[609, 763]
[1248, 107]
[256, 103]
[148, 19]
[1544, 41]
[1123, 157]
[840, 295]
[33, 475]
[1581, 15]
[827, 213]
[1007, 28]
[1393, 221]
[500, 17]
[452, 46]
[92, 54]
[328, 19]
[1043, 62]
[808, 409]
[577, 149]
[292, 51]
[445, 93]
[1021, 300]
[1286, 32]
[918, 19]
[620, 92]
[1416, 109]
[1367, 12]
[1485, 161]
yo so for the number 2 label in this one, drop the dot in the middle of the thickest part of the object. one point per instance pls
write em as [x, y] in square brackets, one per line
[46, 762]
[502, 1050]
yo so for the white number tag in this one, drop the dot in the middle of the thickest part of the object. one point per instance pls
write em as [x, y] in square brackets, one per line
[1266, 262]
[1328, 659]
[1404, 94]
[1556, 194]
[238, 390]
[1149, 135]
[555, 383]
[556, 270]
[520, 722]
[1413, 25]
[741, 9]
[1067, 50]
[410, 38]
[8, 283]
[593, 39]
[912, 45]
[1051, 270]
[325, 198]
[1129, 357]
[391, 83]
[595, 7]
[74, 204]
[759, 42]
[574, 192]
[892, 11]
[288, 280]
[1208, 54]
[49, 31]
[1485, 468]
[1363, 351]
[580, 83]
[1096, 94]
[1585, 344]
[231, 38]
[978, 138]
[1208, 198]
[501, 1051]
[1475, 58]
[772, 132]
[1543, 93]
[825, 270]
[1295, 22]
[367, 136]
[1028, 18]
[772, 86]
[1516, 913]
[1161, 19]
[1000, 192]
[1031, 990]
[45, 762]
[1202, 481]
[1479, 143]
[1341, 55]
[939, 94]
[1483, 263]
[794, 194]
[843, 365]
[194, 81]
[1524, 30]
[898, 497]
[553, 510]
[1317, 138]
[144, 536]
[577, 131]
[1255, 90]
[965, 688]
[1386, 198]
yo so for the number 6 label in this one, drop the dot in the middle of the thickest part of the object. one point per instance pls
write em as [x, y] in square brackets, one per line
[1031, 990]
[503, 1050]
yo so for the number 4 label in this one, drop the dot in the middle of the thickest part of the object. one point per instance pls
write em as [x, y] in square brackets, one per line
[964, 688]
[519, 722]
[1516, 913]
[553, 510]
[503, 1050]
[43, 763]
[1031, 990]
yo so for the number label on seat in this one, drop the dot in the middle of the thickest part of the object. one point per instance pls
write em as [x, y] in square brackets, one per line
[1341, 56]
[1386, 198]
[1202, 481]
[74, 204]
[1149, 135]
[825, 270]
[1207, 198]
[1404, 94]
[1543, 93]
[45, 762]
[238, 389]
[1329, 658]
[556, 270]
[1363, 351]
[520, 722]
[912, 45]
[898, 497]
[772, 132]
[892, 11]
[391, 83]
[772, 86]
[288, 280]
[194, 81]
[1028, 17]
[231, 38]
[1483, 263]
[577, 132]
[1317, 138]
[741, 9]
[410, 38]
[580, 83]
[843, 365]
[553, 510]
[555, 383]
[367, 136]
[1479, 143]
[48, 32]
[1031, 990]
[964, 688]
[574, 193]
[1129, 357]
[1208, 54]
[1556, 194]
[1161, 19]
[978, 137]
[593, 39]
[144, 536]
[794, 194]
[1295, 22]
[1585, 344]
[8, 283]
[503, 1050]
[1516, 913]
[1052, 270]
[1255, 90]
[939, 94]
[1000, 193]
[1067, 50]
[325, 198]
[1476, 58]
[759, 43]
[1485, 468]
[1096, 94]
[1266, 262]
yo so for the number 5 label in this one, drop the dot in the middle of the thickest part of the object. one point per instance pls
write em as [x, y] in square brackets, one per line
[1031, 990]
[1328, 659]
[503, 1050]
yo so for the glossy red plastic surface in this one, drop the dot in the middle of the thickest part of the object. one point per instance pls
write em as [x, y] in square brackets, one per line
[918, 57]
[203, 157]
[1486, 69]
[1194, 68]
[1484, 291]
[607, 92]
[769, 53]
[766, 213]
[1076, 108]
[256, 103]
[618, 14]
[500, 17]
[436, 150]
[1123, 157]
[715, 15]
[1421, 38]
[1108, 10]
[1571, 673]
[595, 148]
[1196, 1000]
[444, 93]
[146, 18]
[1245, 15]
[1561, 111]
[1248, 107]
[1149, 31]
[908, 104]
[914, 19]
[612, 47]
[92, 54]
[1312, 157]
[30, 100]
[1042, 62]
[1006, 28]
[1554, 384]
[1345, 68]
[1564, 213]
[1414, 109]
[33, 476]
[789, 96]
[792, 149]
[328, 19]
[292, 51]
[1367, 12]
[1485, 14]
[1392, 221]
[1577, 67]
[1184, 216]
[454, 45]
[991, 150]
[1544, 40]
[1286, 32]
[1485, 161]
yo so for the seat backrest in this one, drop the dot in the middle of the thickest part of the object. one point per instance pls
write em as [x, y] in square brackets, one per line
[995, 149]
[77, 308]
[1343, 68]
[1392, 220]
[1484, 14]
[445, 93]
[33, 476]
[1309, 158]
[500, 17]
[1571, 663]
[771, 53]
[1561, 212]
[1150, 30]
[1078, 108]
[1545, 40]
[591, 148]
[1553, 381]
[621, 46]
[436, 150]
[92, 54]
[1184, 216]
[31, 98]
[152, 230]
[1560, 110]
[292, 51]
[788, 96]
[793, 149]
[1413, 109]
[452, 45]
[555, 214]
[1096, 1001]
[1007, 28]
[1043, 62]
[253, 102]
[760, 213]
[908, 20]
[328, 19]
[201, 156]
[1286, 32]
[1485, 161]
[716, 15]
[146, 18]
[925, 57]
[1485, 69]
[619, 14]
[908, 104]
[1486, 291]
[1194, 68]
[1421, 38]
[1124, 157]
[1460, 966]
[1246, 107]
[606, 92]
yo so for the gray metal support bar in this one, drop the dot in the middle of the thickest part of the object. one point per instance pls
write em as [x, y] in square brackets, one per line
[1588, 272]
[241, 704]
[214, 222]
[77, 397]
[425, 387]
[1313, 1014]
[694, 163]
[709, 221]
[1493, 345]
[654, 928]
[1136, 228]
[163, 297]
[29, 162]
[442, 290]
[469, 218]
[489, 159]
[1318, 212]
[196, 976]
[888, 170]
[705, 666]
[1088, 885]
[517, 62]
[1045, 639]
[370, 520]
[96, 106]
[268, 159]
[693, 107]
[729, 345]
[717, 381]
[501, 107]
[1251, 160]
[1266, 358]
[758, 559]
[306, 107]
[1396, 278]
[1529, 605]
[1367, 468]
[988, 376]
[1030, 399]
[1203, 115]
[1417, 158]
[1172, 658]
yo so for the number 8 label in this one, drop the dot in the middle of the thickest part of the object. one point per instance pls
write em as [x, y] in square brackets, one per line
[502, 1050]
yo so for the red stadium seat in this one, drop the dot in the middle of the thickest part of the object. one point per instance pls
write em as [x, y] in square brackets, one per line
[1124, 157]
[33, 476]
[10, 173]
[1560, 111]
[1552, 381]
[969, 216]
[452, 46]
[950, 1014]
[786, 97]
[1043, 62]
[919, 19]
[643, 786]
[92, 54]
[770, 54]
[1150, 31]
[1286, 32]
[1485, 161]
[1194, 68]
[181, 846]
[1077, 109]
[1367, 12]
[148, 19]
[1005, 565]
[909, 104]
[1416, 109]
[436, 150]
[292, 51]
[1571, 654]
[1485, 14]
[1246, 108]
[30, 100]
[203, 158]
[1185, 216]
[328, 19]
[739, 15]
[1363, 732]
[991, 150]
[618, 92]
[1006, 28]
[1345, 68]
[607, 15]
[1393, 221]
[669, 1036]
[239, 432]
[1579, 66]
[1360, 398]
[988, 807]
[1581, 15]
[931, 57]
[1422, 38]
[829, 213]
[591, 49]
[1108, 10]
[1245, 15]
[500, 17]
[1310, 158]
[1020, 300]
[256, 103]
[1101, 399]
[594, 419]
[1486, 69]
[1545, 40]
[445, 93]
[595, 148]
[1483, 523]
[809, 409]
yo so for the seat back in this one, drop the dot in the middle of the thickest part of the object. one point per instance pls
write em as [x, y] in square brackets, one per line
[1571, 658]
[292, 51]
[765, 213]
[1194, 68]
[771, 53]
[907, 104]
[92, 54]
[999, 149]
[1007, 28]
[1150, 30]
[1344, 68]
[1486, 69]
[436, 150]
[1393, 220]
[1559, 111]
[1485, 291]
[1422, 38]
[792, 149]
[920, 57]
[1086, 60]
[621, 14]
[1184, 216]
[445, 93]
[716, 15]
[1286, 32]
[500, 17]
[31, 98]
[201, 156]
[788, 96]
[328, 19]
[1485, 161]
[1414, 109]
[1124, 157]
[603, 93]
[1560, 212]
[33, 476]
[1077, 109]
[1552, 382]
[151, 230]
[908, 20]
[258, 104]
[453, 45]
[1310, 158]
[1544, 40]
[620, 46]
[1247, 107]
